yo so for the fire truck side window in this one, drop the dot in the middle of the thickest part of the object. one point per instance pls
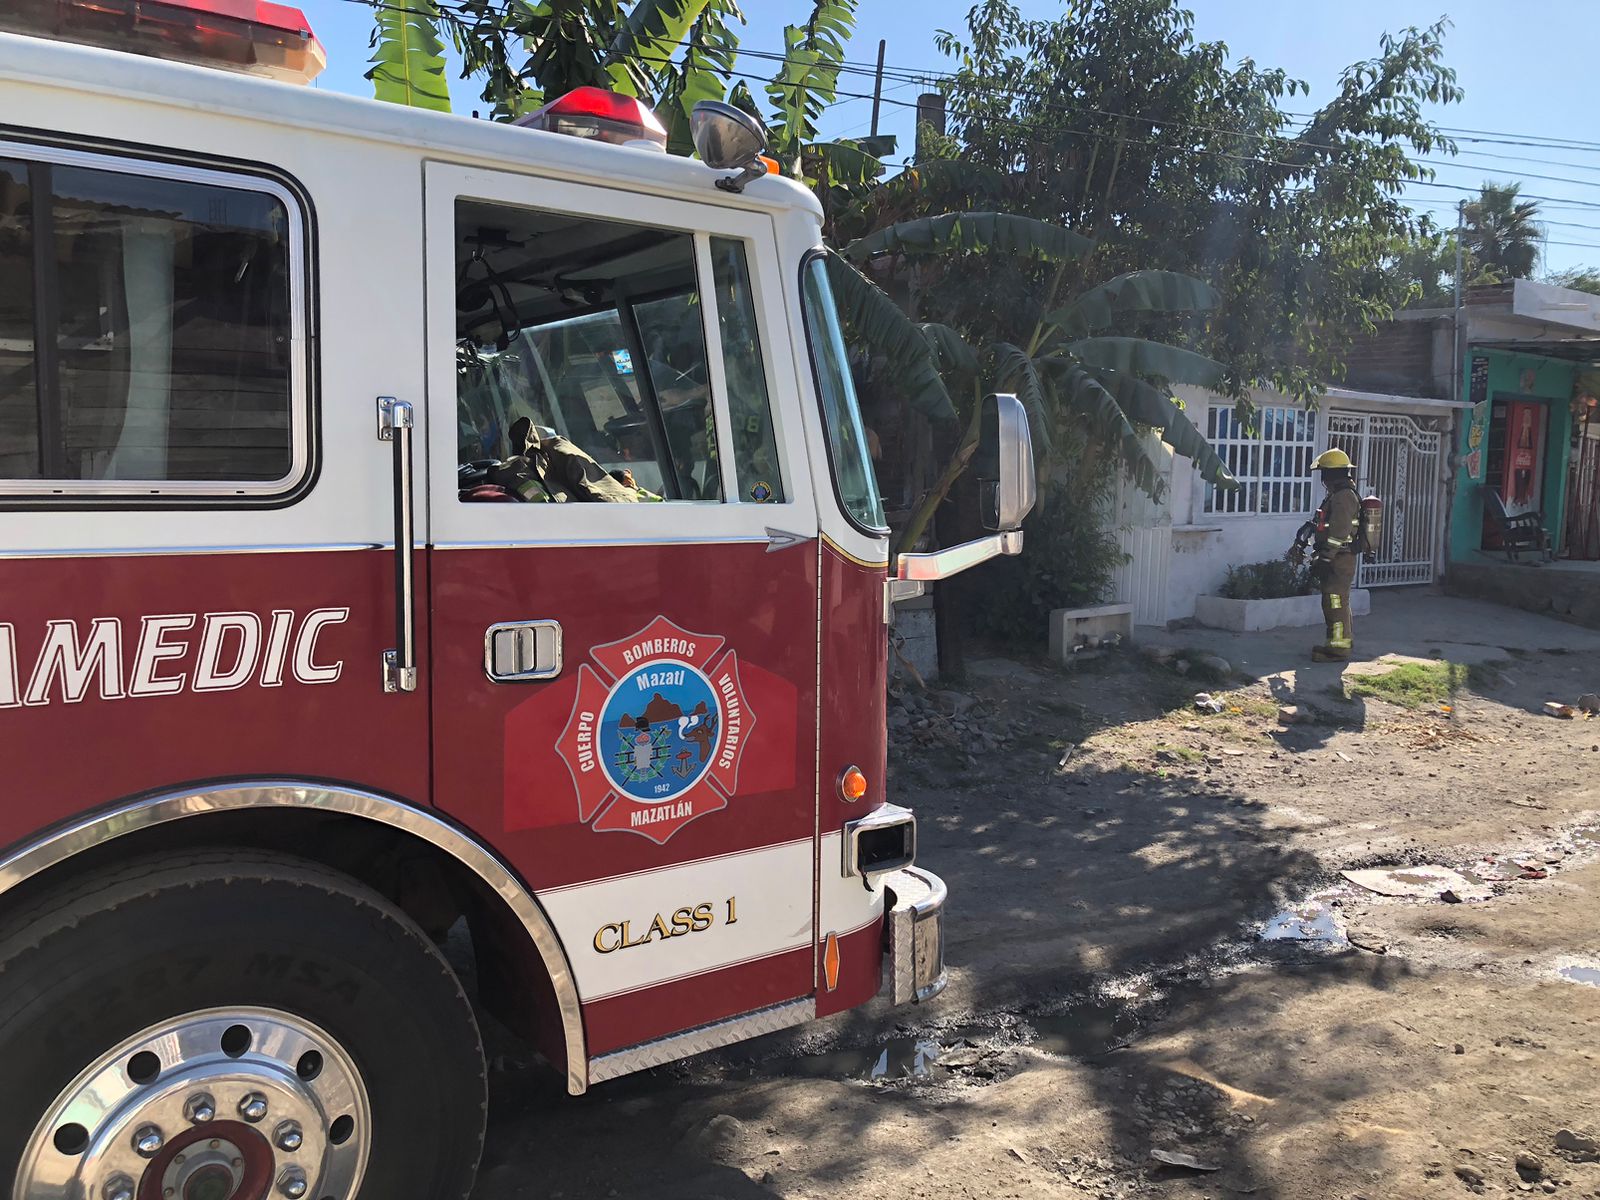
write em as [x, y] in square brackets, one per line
[581, 361]
[755, 450]
[145, 332]
[849, 447]
[19, 404]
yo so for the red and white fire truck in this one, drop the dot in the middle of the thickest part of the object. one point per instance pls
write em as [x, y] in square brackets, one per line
[412, 524]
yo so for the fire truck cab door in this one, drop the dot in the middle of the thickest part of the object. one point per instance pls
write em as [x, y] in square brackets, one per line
[623, 578]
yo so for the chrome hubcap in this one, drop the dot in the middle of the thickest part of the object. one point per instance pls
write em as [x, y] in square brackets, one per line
[226, 1104]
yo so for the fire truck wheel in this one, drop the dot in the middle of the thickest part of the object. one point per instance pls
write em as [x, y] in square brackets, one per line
[211, 1025]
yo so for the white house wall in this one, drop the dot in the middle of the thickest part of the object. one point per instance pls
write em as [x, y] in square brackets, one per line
[1179, 551]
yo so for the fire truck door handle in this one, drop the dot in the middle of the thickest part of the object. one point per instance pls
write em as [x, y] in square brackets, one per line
[522, 651]
[395, 424]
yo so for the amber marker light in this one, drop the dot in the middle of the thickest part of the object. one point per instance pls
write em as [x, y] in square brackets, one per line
[852, 784]
[830, 961]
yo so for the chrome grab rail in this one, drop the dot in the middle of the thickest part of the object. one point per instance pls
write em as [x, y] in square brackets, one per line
[941, 564]
[395, 424]
[913, 572]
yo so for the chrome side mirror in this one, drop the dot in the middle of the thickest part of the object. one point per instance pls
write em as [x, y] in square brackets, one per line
[728, 138]
[1003, 464]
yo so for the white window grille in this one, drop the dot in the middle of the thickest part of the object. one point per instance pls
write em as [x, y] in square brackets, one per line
[1272, 464]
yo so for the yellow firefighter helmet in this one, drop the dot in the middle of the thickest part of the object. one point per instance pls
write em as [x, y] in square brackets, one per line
[1332, 460]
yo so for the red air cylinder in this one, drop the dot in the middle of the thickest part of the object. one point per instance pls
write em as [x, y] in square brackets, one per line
[1371, 523]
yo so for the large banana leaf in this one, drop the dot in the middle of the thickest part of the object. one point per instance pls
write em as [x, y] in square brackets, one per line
[1135, 292]
[709, 53]
[808, 81]
[842, 164]
[950, 349]
[878, 323]
[966, 232]
[643, 49]
[1016, 372]
[1146, 404]
[408, 56]
[1141, 356]
[1075, 390]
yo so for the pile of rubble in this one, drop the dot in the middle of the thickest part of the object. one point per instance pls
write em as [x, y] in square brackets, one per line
[943, 717]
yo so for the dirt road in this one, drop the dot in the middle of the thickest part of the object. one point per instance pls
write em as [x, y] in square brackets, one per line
[1111, 994]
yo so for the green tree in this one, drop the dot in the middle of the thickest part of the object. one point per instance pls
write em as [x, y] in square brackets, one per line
[1502, 232]
[1579, 279]
[1115, 121]
[1425, 265]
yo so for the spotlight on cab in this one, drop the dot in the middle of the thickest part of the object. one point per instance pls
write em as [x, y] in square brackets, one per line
[730, 139]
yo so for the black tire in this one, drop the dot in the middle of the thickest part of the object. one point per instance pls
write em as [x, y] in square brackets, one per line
[106, 957]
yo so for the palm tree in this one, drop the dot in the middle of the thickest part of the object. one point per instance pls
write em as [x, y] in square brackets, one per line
[1502, 232]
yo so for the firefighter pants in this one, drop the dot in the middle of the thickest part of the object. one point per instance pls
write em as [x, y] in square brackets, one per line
[1336, 613]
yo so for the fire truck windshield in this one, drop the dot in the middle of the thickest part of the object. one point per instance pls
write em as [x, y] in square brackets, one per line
[848, 442]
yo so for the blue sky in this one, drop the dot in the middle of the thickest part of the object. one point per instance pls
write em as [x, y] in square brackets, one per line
[1527, 73]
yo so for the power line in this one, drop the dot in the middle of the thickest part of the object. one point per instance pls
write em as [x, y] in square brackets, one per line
[1461, 166]
[1491, 137]
[1451, 204]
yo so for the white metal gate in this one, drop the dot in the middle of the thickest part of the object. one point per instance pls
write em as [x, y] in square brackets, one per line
[1401, 461]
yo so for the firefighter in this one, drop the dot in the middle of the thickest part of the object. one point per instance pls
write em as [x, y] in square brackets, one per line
[1334, 535]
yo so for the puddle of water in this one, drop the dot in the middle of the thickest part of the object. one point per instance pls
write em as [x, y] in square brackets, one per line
[899, 1058]
[1090, 1028]
[1310, 922]
[1591, 836]
[1588, 975]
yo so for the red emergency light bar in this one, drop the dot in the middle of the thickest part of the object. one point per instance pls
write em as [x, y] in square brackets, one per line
[255, 36]
[601, 116]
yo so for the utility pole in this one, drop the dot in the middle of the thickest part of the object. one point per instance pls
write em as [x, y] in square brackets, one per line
[930, 115]
[1455, 365]
[877, 87]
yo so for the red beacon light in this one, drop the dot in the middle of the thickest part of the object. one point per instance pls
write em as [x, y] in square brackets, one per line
[601, 116]
[253, 36]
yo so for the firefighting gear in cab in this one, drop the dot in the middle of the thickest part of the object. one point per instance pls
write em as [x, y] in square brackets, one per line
[1336, 544]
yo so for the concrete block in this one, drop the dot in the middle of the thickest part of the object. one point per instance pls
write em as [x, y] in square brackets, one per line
[1252, 616]
[1070, 626]
[916, 639]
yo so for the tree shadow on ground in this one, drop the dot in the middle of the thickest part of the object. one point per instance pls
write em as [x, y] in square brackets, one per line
[1057, 882]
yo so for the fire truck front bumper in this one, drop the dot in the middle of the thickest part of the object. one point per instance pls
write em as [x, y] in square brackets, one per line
[913, 932]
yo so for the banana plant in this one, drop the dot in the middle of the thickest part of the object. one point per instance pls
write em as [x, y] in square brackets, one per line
[807, 82]
[710, 50]
[1064, 358]
[669, 53]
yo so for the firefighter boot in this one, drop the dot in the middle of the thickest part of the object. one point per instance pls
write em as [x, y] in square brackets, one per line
[1336, 616]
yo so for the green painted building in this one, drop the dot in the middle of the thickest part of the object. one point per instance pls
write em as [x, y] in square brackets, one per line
[1516, 442]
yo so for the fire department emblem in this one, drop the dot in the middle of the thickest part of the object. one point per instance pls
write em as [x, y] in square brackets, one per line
[656, 732]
